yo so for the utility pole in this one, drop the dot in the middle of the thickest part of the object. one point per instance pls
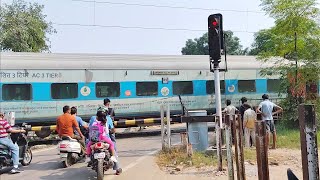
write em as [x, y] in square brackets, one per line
[215, 35]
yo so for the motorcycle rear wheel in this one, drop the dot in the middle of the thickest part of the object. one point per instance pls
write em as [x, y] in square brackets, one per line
[100, 170]
[70, 161]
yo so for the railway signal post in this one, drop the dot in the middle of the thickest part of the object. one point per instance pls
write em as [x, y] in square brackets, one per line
[215, 40]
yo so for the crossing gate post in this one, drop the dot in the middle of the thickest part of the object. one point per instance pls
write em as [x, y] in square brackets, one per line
[238, 142]
[168, 126]
[308, 140]
[229, 147]
[163, 131]
[218, 143]
[262, 150]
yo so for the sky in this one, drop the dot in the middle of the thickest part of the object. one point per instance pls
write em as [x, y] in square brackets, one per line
[244, 17]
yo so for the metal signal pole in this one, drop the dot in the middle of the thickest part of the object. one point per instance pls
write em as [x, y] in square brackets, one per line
[215, 41]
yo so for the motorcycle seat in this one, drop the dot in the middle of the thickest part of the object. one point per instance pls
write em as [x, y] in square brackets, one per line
[3, 147]
[68, 138]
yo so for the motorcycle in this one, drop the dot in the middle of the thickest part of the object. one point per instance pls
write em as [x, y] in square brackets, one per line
[25, 153]
[100, 158]
[70, 151]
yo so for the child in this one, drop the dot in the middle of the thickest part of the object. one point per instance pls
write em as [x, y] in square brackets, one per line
[101, 135]
[249, 119]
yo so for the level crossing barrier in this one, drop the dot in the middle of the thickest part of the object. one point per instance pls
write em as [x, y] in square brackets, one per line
[117, 124]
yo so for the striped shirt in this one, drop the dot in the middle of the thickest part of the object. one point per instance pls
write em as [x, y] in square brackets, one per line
[4, 128]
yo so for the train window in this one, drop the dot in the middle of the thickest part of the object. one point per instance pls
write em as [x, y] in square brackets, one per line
[108, 89]
[273, 85]
[64, 90]
[16, 92]
[147, 88]
[246, 86]
[210, 87]
[182, 87]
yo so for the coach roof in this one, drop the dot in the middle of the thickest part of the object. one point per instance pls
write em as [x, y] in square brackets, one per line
[10, 60]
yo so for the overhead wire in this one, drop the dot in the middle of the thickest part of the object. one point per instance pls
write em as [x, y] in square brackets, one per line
[139, 27]
[150, 28]
[166, 6]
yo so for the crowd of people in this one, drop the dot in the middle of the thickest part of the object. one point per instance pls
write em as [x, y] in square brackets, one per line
[249, 115]
[69, 124]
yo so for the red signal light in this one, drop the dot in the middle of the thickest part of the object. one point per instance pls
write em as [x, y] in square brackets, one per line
[214, 23]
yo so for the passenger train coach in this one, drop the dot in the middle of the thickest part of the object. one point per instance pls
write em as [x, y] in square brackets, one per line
[36, 85]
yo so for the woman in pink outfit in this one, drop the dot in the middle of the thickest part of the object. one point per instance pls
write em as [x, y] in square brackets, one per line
[102, 134]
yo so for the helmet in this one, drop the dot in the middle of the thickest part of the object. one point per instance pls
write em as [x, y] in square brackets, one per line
[103, 109]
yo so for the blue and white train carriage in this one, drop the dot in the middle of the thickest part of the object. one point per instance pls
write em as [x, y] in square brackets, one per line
[37, 86]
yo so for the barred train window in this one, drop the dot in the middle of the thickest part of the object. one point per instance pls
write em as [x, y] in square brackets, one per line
[108, 89]
[147, 88]
[182, 87]
[16, 92]
[273, 85]
[210, 87]
[246, 86]
[64, 90]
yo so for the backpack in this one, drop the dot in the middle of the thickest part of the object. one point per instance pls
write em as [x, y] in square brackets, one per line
[94, 133]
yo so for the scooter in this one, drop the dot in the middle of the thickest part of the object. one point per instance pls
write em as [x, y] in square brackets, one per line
[100, 158]
[70, 151]
[25, 153]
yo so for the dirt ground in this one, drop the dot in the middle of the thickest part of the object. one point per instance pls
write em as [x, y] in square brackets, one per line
[279, 161]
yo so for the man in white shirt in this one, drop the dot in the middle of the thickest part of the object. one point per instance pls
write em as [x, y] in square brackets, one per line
[266, 110]
[230, 109]
[249, 119]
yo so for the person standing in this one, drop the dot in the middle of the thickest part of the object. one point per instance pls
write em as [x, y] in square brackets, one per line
[249, 118]
[266, 110]
[230, 109]
[242, 109]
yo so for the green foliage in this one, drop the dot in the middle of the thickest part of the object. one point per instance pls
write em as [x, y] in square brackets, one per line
[295, 26]
[199, 46]
[23, 27]
[262, 42]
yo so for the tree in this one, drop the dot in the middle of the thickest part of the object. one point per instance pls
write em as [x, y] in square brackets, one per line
[199, 46]
[262, 42]
[294, 37]
[23, 28]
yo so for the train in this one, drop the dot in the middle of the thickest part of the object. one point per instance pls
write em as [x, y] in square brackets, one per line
[37, 85]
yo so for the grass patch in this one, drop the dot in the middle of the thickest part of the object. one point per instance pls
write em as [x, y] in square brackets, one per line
[289, 138]
[179, 156]
[250, 154]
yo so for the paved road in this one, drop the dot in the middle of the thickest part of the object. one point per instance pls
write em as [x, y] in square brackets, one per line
[46, 164]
